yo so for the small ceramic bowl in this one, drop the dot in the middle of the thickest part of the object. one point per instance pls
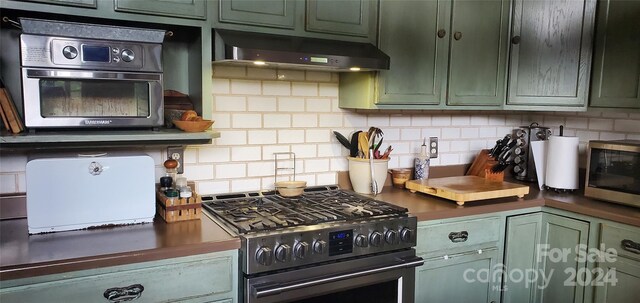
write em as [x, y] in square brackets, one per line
[193, 126]
[291, 188]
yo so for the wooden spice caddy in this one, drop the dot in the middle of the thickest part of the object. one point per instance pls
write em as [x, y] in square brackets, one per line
[184, 208]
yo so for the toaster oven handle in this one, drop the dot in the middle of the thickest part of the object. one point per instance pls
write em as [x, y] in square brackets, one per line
[270, 289]
[630, 246]
[86, 74]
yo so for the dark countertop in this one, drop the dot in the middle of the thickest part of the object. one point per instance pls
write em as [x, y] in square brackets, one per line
[22, 255]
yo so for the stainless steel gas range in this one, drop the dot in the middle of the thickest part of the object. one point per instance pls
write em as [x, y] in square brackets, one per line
[326, 245]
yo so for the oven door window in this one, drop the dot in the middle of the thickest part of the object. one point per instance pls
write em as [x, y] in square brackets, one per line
[93, 98]
[386, 292]
[615, 170]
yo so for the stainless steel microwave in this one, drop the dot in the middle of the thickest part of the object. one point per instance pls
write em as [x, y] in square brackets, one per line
[77, 75]
[613, 171]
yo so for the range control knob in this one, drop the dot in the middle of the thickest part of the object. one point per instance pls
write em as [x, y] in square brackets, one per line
[264, 256]
[127, 55]
[301, 249]
[391, 236]
[283, 253]
[406, 234]
[375, 238]
[320, 247]
[361, 241]
[70, 52]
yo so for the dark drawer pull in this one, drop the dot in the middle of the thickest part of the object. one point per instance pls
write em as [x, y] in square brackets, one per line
[124, 294]
[461, 236]
[631, 246]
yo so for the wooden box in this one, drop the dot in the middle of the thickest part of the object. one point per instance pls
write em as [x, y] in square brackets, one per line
[183, 209]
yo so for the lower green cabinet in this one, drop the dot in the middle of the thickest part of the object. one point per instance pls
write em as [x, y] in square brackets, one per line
[541, 258]
[463, 278]
[203, 278]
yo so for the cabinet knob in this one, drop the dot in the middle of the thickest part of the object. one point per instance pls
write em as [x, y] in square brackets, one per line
[122, 294]
[457, 35]
[515, 40]
[442, 33]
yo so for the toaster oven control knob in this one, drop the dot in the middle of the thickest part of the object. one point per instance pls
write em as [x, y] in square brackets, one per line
[70, 52]
[391, 236]
[320, 247]
[300, 249]
[406, 234]
[361, 241]
[264, 256]
[283, 253]
[127, 55]
[375, 238]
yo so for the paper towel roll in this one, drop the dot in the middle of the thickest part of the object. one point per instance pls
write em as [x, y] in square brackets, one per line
[562, 163]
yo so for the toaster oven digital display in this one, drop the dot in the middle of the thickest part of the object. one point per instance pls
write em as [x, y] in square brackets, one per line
[92, 53]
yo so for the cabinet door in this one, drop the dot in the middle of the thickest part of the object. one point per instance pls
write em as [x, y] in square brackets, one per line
[619, 283]
[540, 256]
[550, 52]
[81, 3]
[478, 58]
[195, 9]
[408, 33]
[269, 13]
[468, 278]
[343, 17]
[616, 60]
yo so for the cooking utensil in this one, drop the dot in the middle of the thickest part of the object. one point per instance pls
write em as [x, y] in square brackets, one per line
[374, 183]
[363, 145]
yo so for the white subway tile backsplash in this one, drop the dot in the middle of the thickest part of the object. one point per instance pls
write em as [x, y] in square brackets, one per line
[460, 120]
[390, 134]
[633, 136]
[612, 136]
[241, 185]
[497, 120]
[449, 159]
[399, 121]
[326, 178]
[316, 165]
[441, 120]
[277, 120]
[210, 187]
[615, 115]
[13, 162]
[246, 153]
[8, 183]
[230, 103]
[587, 135]
[291, 136]
[276, 88]
[304, 120]
[318, 135]
[460, 146]
[330, 120]
[354, 120]
[318, 76]
[315, 105]
[214, 154]
[408, 134]
[379, 121]
[246, 120]
[304, 89]
[577, 122]
[269, 150]
[261, 73]
[339, 164]
[417, 120]
[190, 155]
[263, 137]
[232, 137]
[228, 171]
[290, 74]
[328, 90]
[600, 124]
[479, 120]
[221, 86]
[262, 104]
[477, 145]
[431, 132]
[246, 87]
[222, 120]
[469, 133]
[450, 133]
[631, 126]
[331, 150]
[22, 182]
[305, 150]
[291, 104]
[261, 169]
[198, 172]
[444, 146]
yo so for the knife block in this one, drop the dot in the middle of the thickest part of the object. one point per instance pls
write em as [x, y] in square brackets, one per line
[482, 165]
[183, 209]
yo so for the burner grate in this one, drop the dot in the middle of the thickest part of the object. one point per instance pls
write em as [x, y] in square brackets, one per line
[253, 214]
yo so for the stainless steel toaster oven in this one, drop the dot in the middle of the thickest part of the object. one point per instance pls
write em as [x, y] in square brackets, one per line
[86, 75]
[613, 171]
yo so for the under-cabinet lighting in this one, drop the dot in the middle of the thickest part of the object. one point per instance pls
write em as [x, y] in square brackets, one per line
[354, 69]
[259, 63]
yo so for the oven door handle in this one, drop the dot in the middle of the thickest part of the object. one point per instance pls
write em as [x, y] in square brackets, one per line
[270, 289]
[85, 74]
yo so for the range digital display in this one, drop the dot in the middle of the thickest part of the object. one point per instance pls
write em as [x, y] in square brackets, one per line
[92, 53]
[340, 242]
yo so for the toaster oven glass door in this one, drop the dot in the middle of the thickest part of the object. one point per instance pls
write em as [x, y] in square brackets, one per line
[615, 170]
[69, 97]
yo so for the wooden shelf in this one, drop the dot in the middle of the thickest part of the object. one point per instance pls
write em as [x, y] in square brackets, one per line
[102, 138]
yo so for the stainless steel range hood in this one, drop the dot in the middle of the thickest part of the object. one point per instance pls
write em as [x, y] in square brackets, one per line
[296, 52]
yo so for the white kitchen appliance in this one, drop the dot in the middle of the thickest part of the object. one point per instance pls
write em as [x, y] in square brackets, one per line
[82, 191]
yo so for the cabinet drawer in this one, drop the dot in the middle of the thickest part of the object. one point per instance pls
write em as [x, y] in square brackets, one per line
[458, 236]
[624, 239]
[184, 279]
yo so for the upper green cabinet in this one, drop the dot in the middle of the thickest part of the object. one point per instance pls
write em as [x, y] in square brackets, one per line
[551, 47]
[270, 13]
[616, 60]
[443, 54]
[195, 9]
[80, 3]
[343, 17]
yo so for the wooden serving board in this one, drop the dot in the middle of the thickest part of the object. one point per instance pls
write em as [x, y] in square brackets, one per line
[467, 188]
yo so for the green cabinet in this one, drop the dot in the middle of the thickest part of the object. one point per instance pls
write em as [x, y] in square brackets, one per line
[444, 54]
[80, 3]
[269, 13]
[172, 280]
[616, 60]
[461, 257]
[541, 258]
[196, 9]
[342, 17]
[550, 56]
[617, 277]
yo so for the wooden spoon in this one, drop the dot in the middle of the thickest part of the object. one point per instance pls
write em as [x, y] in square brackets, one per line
[363, 144]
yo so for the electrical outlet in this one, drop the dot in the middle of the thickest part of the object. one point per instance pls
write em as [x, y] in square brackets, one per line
[433, 147]
[176, 153]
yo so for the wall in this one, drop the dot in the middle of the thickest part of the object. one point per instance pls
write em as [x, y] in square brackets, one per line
[259, 111]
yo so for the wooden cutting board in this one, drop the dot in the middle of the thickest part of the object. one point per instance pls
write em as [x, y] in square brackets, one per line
[467, 188]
